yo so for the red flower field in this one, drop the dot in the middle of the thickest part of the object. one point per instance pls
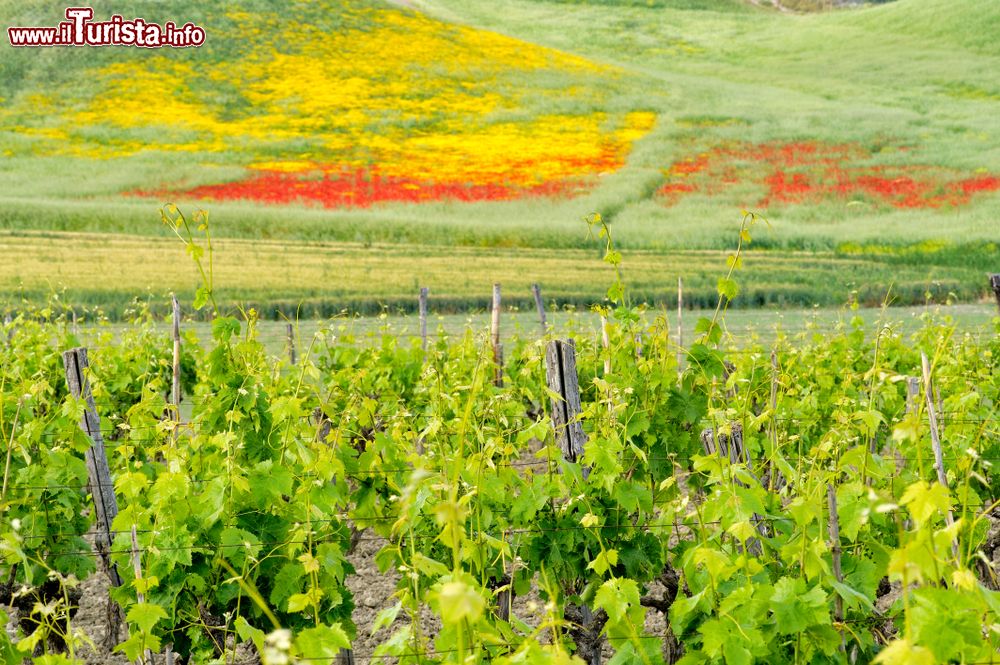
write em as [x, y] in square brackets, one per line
[809, 173]
[362, 188]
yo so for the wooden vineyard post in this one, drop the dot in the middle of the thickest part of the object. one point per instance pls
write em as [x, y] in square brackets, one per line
[606, 344]
[834, 531]
[147, 656]
[638, 346]
[936, 437]
[102, 487]
[536, 291]
[774, 390]
[932, 420]
[680, 326]
[290, 341]
[726, 445]
[912, 394]
[940, 406]
[100, 483]
[175, 392]
[423, 318]
[505, 591]
[774, 477]
[495, 337]
[562, 379]
[730, 446]
[995, 285]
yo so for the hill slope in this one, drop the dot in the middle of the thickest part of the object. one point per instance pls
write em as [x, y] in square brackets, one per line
[374, 103]
[868, 132]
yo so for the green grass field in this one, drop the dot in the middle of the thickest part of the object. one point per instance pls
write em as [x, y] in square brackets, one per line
[905, 84]
[320, 279]
[743, 327]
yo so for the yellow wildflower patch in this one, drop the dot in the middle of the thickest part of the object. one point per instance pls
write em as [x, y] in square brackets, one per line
[382, 95]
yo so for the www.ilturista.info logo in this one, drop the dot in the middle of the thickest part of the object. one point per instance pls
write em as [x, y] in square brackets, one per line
[80, 30]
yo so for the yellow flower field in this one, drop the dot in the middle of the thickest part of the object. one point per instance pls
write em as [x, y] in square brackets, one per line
[391, 106]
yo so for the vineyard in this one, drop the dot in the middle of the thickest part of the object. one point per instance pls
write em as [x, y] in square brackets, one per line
[243, 454]
[555, 497]
[348, 136]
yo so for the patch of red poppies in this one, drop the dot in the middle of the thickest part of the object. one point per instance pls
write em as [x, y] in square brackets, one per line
[677, 188]
[690, 165]
[362, 188]
[809, 172]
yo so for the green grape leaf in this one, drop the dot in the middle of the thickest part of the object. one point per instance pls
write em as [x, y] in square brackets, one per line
[852, 599]
[145, 616]
[723, 638]
[924, 499]
[604, 561]
[248, 633]
[904, 652]
[728, 288]
[852, 509]
[321, 643]
[616, 597]
[458, 601]
[225, 328]
[796, 609]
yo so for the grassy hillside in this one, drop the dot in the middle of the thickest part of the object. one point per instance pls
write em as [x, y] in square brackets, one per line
[966, 24]
[870, 132]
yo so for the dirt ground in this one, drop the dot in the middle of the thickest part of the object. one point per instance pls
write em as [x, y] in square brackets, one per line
[372, 591]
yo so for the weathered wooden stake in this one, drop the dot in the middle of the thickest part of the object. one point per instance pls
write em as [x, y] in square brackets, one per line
[726, 445]
[940, 406]
[595, 641]
[540, 306]
[560, 374]
[102, 486]
[562, 379]
[638, 346]
[731, 446]
[834, 531]
[168, 655]
[137, 563]
[775, 479]
[175, 392]
[680, 325]
[505, 591]
[995, 285]
[912, 394]
[935, 437]
[505, 599]
[147, 655]
[932, 420]
[423, 318]
[290, 340]
[495, 337]
[606, 344]
[774, 385]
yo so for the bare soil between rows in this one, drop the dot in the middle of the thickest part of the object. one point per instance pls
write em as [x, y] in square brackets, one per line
[373, 592]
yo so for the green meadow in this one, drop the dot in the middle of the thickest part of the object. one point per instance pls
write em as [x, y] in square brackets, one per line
[910, 83]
